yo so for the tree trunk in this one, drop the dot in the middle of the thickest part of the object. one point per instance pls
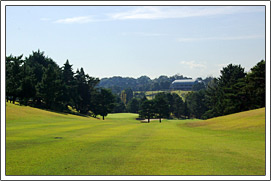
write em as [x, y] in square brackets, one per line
[160, 119]
[103, 117]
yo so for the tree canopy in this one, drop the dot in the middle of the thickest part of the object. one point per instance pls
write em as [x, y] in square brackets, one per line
[38, 81]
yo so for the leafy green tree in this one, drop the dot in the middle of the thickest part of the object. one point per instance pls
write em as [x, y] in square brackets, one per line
[119, 106]
[230, 75]
[161, 106]
[255, 85]
[13, 76]
[147, 109]
[186, 111]
[143, 83]
[164, 85]
[49, 89]
[85, 89]
[198, 86]
[126, 95]
[240, 95]
[92, 89]
[129, 94]
[155, 86]
[27, 89]
[144, 98]
[170, 99]
[82, 99]
[196, 103]
[223, 94]
[236, 91]
[38, 63]
[207, 80]
[211, 98]
[68, 80]
[178, 106]
[104, 102]
[133, 105]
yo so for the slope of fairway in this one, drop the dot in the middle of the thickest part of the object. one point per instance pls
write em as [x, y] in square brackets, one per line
[41, 142]
[247, 120]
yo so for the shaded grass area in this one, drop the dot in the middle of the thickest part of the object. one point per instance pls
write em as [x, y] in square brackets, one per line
[121, 145]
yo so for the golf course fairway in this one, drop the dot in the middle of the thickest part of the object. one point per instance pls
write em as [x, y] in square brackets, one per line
[40, 142]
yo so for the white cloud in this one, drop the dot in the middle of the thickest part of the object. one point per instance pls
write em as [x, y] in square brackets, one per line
[192, 64]
[155, 12]
[78, 19]
[152, 12]
[220, 38]
[147, 12]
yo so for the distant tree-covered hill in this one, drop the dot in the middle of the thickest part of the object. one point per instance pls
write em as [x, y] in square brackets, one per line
[143, 83]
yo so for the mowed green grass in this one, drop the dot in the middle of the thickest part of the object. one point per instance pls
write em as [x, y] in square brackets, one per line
[121, 145]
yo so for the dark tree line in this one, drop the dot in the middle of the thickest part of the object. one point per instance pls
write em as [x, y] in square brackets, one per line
[38, 81]
[129, 100]
[234, 91]
[164, 105]
[117, 84]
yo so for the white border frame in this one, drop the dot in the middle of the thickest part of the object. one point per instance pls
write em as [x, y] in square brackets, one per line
[3, 106]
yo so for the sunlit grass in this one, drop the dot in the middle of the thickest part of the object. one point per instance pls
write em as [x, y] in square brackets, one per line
[248, 120]
[46, 143]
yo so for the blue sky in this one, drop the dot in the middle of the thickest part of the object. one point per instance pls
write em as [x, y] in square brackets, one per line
[131, 41]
